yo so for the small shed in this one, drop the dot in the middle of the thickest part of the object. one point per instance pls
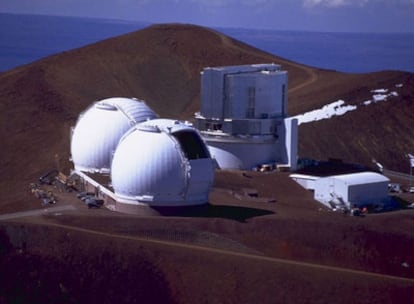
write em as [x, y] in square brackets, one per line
[360, 189]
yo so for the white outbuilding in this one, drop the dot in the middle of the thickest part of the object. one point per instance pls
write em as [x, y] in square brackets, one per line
[99, 129]
[349, 190]
[161, 163]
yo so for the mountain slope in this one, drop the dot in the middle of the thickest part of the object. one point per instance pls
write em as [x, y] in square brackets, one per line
[161, 65]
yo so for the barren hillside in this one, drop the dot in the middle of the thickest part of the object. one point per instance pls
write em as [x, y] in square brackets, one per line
[161, 65]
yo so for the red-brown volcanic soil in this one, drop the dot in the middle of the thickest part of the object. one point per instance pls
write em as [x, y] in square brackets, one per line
[281, 247]
[278, 247]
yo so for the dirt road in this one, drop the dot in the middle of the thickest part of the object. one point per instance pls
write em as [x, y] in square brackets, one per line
[273, 260]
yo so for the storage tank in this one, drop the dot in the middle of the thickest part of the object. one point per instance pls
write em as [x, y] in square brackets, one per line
[99, 129]
[162, 163]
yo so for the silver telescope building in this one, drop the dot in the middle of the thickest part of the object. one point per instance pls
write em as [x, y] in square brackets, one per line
[243, 116]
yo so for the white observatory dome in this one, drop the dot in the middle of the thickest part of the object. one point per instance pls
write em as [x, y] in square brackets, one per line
[162, 162]
[99, 129]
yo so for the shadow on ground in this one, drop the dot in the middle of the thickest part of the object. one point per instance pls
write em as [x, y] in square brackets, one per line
[240, 214]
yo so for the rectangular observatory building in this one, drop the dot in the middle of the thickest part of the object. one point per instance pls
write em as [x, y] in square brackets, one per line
[243, 116]
[360, 189]
[240, 92]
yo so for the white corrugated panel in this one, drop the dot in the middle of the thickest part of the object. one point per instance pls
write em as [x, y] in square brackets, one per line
[135, 110]
[100, 128]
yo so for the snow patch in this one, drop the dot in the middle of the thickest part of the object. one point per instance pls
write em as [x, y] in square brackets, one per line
[339, 107]
[380, 97]
[336, 108]
[379, 91]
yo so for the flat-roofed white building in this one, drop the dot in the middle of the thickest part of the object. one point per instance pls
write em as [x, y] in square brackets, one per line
[356, 189]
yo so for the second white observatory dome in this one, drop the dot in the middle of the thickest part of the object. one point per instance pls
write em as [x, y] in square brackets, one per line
[162, 162]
